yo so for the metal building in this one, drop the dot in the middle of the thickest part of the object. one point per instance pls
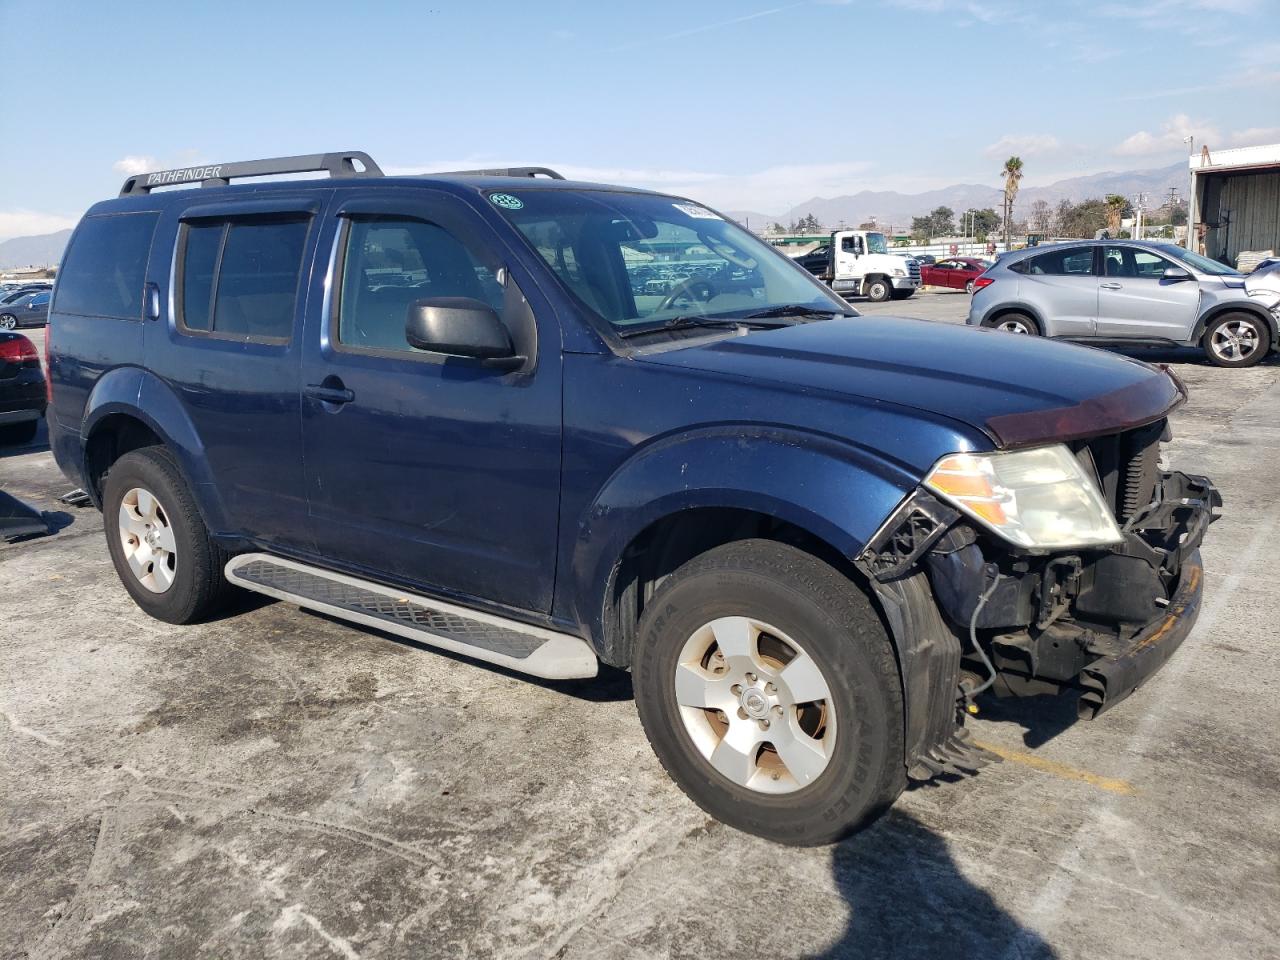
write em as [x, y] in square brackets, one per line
[1235, 201]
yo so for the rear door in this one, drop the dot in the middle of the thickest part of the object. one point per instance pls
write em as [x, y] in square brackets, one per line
[231, 352]
[431, 470]
[1134, 299]
[1063, 286]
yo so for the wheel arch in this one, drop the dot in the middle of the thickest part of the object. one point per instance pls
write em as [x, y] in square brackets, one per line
[1218, 310]
[1004, 309]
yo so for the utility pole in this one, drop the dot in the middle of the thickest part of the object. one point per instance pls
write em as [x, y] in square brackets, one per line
[1191, 196]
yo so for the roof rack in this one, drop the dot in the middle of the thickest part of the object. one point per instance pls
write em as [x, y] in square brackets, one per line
[504, 172]
[337, 165]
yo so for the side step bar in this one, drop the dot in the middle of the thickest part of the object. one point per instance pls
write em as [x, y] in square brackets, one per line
[507, 643]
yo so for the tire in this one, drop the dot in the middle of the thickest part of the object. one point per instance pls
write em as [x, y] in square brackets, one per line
[8, 321]
[1236, 340]
[879, 289]
[1019, 323]
[194, 585]
[903, 294]
[19, 433]
[969, 287]
[853, 769]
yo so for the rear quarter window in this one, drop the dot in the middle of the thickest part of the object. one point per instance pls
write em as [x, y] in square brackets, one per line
[106, 265]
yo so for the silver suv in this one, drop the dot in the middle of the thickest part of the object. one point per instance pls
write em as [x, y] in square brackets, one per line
[1121, 293]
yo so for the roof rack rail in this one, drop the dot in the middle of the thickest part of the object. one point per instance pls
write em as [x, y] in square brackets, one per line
[504, 172]
[337, 165]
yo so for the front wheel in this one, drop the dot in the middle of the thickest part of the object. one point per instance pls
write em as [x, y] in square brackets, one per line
[878, 290]
[1236, 340]
[770, 693]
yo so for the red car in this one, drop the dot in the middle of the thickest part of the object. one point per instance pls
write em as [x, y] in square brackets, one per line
[957, 272]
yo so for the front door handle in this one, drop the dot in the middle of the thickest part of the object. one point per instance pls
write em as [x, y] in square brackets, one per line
[327, 393]
[1111, 286]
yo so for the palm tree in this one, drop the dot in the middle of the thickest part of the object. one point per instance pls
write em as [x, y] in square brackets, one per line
[1012, 174]
[1115, 212]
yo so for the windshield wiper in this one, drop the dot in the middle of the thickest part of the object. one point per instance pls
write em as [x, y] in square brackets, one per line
[795, 310]
[755, 322]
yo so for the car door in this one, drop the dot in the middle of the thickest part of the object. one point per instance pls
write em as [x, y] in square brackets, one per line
[1062, 286]
[234, 274]
[38, 309]
[846, 254]
[425, 469]
[1135, 300]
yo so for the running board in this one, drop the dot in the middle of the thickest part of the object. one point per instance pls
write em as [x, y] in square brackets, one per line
[507, 643]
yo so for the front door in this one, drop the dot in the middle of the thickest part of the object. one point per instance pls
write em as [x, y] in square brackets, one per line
[421, 468]
[846, 249]
[1134, 299]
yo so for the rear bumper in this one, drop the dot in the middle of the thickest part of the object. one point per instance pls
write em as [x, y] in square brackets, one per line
[1110, 679]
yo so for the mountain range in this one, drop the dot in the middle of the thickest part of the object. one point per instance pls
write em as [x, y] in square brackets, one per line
[891, 208]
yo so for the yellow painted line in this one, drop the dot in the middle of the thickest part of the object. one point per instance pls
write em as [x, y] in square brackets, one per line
[1056, 769]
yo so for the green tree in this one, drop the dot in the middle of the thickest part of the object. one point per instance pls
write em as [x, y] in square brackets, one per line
[1012, 173]
[1117, 209]
[982, 222]
[1082, 219]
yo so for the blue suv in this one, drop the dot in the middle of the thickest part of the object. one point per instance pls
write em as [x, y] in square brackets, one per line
[547, 425]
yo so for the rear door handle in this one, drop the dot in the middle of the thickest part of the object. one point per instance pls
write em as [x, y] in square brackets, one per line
[1111, 286]
[338, 395]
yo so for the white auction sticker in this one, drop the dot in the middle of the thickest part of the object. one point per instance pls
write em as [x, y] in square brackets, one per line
[693, 210]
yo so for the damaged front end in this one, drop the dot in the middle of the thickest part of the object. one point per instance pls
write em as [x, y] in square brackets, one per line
[972, 610]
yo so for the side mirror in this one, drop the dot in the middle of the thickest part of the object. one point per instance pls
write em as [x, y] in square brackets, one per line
[1176, 274]
[460, 327]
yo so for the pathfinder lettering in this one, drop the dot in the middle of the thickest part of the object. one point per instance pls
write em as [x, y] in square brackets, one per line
[181, 176]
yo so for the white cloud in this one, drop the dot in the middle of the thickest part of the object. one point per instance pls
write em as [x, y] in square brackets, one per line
[135, 163]
[1170, 139]
[1254, 137]
[29, 223]
[1024, 145]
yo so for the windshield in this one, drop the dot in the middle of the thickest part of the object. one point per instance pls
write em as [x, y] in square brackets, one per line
[876, 243]
[642, 261]
[1197, 262]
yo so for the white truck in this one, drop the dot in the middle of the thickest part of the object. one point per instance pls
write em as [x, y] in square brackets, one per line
[863, 266]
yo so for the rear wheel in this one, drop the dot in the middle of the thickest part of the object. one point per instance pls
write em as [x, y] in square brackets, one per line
[1236, 340]
[1015, 323]
[878, 289]
[8, 321]
[969, 288]
[769, 690]
[161, 549]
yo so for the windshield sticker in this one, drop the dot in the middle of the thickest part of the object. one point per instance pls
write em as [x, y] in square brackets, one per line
[506, 201]
[695, 211]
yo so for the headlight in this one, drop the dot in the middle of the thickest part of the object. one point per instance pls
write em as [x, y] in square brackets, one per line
[1041, 499]
[899, 272]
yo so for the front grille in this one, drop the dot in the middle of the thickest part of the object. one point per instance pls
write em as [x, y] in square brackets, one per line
[1128, 466]
[913, 268]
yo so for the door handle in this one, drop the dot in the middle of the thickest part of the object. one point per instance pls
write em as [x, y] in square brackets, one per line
[1111, 286]
[329, 394]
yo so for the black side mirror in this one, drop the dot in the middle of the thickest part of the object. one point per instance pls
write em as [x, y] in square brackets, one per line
[1175, 274]
[460, 327]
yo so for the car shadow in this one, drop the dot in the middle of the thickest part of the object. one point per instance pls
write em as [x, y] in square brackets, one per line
[1041, 717]
[39, 445]
[908, 898]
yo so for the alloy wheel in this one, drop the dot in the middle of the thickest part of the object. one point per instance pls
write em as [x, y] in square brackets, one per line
[755, 705]
[1013, 326]
[8, 322]
[1235, 340]
[147, 539]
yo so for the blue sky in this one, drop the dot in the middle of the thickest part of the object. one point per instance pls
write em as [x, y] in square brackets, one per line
[746, 105]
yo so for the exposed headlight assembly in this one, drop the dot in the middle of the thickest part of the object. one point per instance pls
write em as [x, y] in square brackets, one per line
[1040, 499]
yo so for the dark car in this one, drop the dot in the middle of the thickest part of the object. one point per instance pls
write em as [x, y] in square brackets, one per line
[451, 407]
[959, 273]
[816, 261]
[22, 389]
[28, 310]
[923, 258]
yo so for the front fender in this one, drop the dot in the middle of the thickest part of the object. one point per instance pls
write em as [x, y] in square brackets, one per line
[833, 489]
[1219, 307]
[138, 393]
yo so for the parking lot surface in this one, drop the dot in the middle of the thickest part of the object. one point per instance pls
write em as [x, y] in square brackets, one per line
[279, 784]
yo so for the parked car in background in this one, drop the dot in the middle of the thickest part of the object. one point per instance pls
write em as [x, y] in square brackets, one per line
[23, 393]
[15, 293]
[29, 310]
[923, 258]
[957, 273]
[1126, 293]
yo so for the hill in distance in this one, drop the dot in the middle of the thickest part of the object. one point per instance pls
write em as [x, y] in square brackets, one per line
[40, 251]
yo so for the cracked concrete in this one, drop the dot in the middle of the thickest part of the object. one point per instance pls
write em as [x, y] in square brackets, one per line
[278, 784]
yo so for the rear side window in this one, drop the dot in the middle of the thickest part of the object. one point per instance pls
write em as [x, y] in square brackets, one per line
[1073, 262]
[239, 278]
[104, 269]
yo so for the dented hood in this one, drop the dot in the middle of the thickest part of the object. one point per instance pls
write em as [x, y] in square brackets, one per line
[1018, 390]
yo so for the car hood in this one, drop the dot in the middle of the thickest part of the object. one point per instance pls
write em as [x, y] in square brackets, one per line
[1018, 390]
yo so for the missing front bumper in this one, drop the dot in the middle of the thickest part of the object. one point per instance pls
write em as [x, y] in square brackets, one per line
[1110, 679]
